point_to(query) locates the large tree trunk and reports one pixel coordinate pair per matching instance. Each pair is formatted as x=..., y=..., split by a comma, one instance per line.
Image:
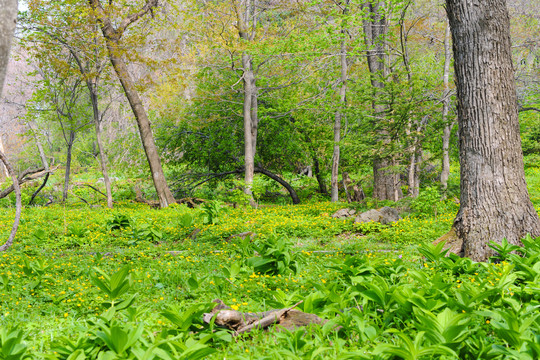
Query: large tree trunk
x=447, y=130
x=250, y=124
x=386, y=182
x=494, y=200
x=386, y=185
x=102, y=156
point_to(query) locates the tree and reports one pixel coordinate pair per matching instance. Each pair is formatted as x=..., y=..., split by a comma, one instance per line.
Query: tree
x=386, y=182
x=8, y=18
x=495, y=203
x=339, y=113
x=113, y=30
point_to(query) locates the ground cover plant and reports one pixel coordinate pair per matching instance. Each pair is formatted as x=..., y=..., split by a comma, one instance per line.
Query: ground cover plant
x=86, y=282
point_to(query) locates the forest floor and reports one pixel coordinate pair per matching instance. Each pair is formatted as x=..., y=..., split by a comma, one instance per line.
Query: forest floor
x=133, y=282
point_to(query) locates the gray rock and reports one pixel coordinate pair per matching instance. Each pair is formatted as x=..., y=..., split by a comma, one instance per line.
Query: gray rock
x=370, y=215
x=343, y=213
x=390, y=215
x=385, y=215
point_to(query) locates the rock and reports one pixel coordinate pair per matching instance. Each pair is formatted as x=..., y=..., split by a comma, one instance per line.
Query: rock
x=390, y=215
x=343, y=213
x=385, y=216
x=370, y=215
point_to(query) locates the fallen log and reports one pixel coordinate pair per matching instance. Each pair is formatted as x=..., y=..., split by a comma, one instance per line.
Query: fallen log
x=240, y=323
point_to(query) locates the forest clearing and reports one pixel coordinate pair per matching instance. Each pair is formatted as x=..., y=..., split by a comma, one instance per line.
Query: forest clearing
x=268, y=179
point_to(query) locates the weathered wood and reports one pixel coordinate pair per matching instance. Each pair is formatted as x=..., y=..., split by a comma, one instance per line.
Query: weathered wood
x=240, y=323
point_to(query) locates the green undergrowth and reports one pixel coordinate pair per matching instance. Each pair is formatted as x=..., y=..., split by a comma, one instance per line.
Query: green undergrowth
x=86, y=282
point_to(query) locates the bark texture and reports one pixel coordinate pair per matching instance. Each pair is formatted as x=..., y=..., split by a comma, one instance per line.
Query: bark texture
x=8, y=19
x=494, y=200
x=447, y=130
x=113, y=35
x=386, y=183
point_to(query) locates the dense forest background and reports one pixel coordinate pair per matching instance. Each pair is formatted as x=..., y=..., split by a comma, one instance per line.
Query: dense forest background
x=318, y=109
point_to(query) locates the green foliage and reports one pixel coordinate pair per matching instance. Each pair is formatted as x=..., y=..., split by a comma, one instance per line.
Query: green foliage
x=118, y=221
x=143, y=300
x=211, y=212
x=276, y=256
x=427, y=201
x=12, y=346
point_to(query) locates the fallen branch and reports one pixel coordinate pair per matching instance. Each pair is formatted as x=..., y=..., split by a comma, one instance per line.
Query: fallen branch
x=18, y=206
x=267, y=320
x=239, y=322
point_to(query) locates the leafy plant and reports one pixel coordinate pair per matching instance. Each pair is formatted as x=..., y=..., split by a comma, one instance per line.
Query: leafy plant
x=276, y=256
x=114, y=286
x=12, y=346
x=211, y=212
x=117, y=222
x=426, y=202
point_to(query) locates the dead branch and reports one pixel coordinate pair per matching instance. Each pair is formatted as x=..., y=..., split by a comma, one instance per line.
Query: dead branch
x=25, y=176
x=91, y=187
x=239, y=322
x=18, y=206
x=267, y=320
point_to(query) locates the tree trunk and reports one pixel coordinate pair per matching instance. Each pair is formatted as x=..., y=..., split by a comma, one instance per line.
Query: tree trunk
x=102, y=156
x=8, y=19
x=68, y=165
x=250, y=125
x=447, y=130
x=386, y=182
x=318, y=175
x=334, y=191
x=160, y=183
x=495, y=203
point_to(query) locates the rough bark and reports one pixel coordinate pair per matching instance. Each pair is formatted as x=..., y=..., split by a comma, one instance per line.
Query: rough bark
x=8, y=19
x=386, y=183
x=334, y=191
x=113, y=35
x=494, y=201
x=447, y=130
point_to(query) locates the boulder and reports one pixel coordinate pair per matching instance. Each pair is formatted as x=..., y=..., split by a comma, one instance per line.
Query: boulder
x=385, y=215
x=343, y=213
x=390, y=215
x=370, y=215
